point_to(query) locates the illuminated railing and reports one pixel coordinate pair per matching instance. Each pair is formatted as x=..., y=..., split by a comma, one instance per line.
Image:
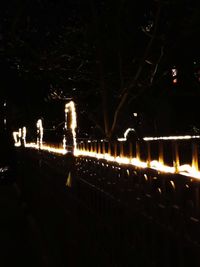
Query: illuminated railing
x=151, y=152
x=162, y=155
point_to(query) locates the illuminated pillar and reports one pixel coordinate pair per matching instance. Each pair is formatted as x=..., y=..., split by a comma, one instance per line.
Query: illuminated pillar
x=24, y=136
x=70, y=107
x=39, y=133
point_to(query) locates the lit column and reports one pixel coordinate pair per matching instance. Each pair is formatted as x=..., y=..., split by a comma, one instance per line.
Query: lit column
x=39, y=133
x=24, y=136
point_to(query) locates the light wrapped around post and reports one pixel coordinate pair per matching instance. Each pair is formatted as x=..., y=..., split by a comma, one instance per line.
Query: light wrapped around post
x=39, y=133
x=70, y=107
x=24, y=136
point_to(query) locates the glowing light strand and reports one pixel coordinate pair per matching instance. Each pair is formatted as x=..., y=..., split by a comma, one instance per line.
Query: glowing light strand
x=70, y=107
x=179, y=137
x=185, y=169
x=126, y=134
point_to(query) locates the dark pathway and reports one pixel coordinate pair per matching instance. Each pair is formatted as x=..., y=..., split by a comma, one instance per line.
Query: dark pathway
x=19, y=241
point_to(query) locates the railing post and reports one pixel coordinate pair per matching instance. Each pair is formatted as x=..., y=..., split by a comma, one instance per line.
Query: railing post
x=95, y=147
x=99, y=147
x=109, y=148
x=115, y=149
x=195, y=162
x=176, y=161
x=161, y=158
x=92, y=146
x=148, y=154
x=137, y=150
x=86, y=146
x=103, y=147
x=130, y=150
x=83, y=146
x=121, y=149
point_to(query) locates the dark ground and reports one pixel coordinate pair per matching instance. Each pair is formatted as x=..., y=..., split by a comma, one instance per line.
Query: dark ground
x=19, y=242
x=42, y=224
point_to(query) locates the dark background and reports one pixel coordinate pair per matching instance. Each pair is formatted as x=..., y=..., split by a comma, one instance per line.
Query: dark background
x=54, y=50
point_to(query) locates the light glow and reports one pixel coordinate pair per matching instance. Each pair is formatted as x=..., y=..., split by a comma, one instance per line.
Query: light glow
x=40, y=132
x=17, y=137
x=70, y=107
x=183, y=137
x=185, y=169
x=126, y=134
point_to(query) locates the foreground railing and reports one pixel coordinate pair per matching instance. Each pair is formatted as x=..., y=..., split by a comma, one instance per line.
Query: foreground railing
x=168, y=156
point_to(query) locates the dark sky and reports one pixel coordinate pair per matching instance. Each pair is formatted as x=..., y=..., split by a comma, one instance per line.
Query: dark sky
x=54, y=44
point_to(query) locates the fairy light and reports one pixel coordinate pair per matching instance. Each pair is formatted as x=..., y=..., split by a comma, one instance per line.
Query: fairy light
x=185, y=169
x=183, y=137
x=179, y=137
x=126, y=134
x=70, y=107
x=17, y=137
x=64, y=143
x=24, y=135
x=174, y=75
x=39, y=132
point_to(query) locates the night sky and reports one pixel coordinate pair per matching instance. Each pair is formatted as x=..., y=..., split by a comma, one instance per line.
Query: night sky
x=91, y=50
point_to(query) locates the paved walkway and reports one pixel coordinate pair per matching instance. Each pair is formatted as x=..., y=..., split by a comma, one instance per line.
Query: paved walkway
x=19, y=241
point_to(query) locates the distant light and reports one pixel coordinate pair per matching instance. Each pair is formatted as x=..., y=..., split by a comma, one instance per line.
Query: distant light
x=135, y=114
x=174, y=75
x=39, y=132
x=174, y=72
x=184, y=137
x=70, y=107
x=126, y=134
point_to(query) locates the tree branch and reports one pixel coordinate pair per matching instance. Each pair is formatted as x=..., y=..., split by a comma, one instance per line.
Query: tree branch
x=132, y=84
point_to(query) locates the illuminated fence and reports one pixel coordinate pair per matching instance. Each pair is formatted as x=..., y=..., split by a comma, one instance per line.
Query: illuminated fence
x=169, y=156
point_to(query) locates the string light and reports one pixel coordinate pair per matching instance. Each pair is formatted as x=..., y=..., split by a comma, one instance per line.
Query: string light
x=70, y=107
x=185, y=169
x=40, y=132
x=184, y=137
x=126, y=134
